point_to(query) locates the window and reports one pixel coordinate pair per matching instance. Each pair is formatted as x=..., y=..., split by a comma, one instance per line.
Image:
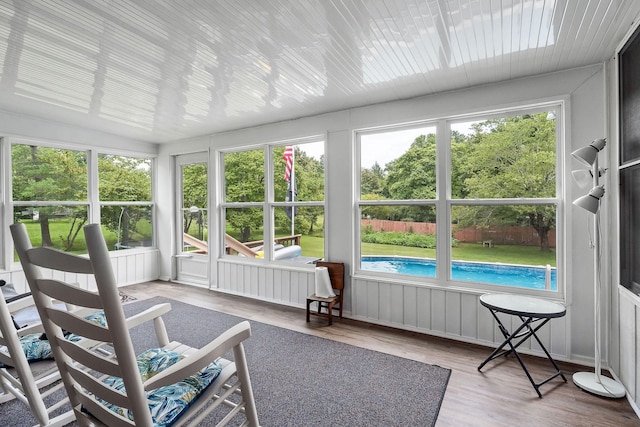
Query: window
x=291, y=219
x=124, y=185
x=398, y=200
x=495, y=198
x=195, y=207
x=629, y=162
x=52, y=196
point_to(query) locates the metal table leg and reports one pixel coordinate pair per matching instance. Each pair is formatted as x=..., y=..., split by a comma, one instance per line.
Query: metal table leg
x=524, y=332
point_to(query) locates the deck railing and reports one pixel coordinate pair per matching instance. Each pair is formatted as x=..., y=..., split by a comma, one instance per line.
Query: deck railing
x=284, y=240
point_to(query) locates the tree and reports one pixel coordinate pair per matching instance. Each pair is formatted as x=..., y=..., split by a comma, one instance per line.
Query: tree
x=459, y=152
x=123, y=179
x=244, y=182
x=194, y=193
x=413, y=176
x=51, y=175
x=511, y=157
x=377, y=211
x=309, y=180
x=372, y=181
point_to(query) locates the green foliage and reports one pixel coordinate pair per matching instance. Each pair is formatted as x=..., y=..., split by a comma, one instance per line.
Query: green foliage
x=194, y=185
x=124, y=179
x=400, y=239
x=194, y=193
x=413, y=175
x=48, y=174
x=51, y=175
x=372, y=181
x=244, y=182
x=510, y=157
x=378, y=211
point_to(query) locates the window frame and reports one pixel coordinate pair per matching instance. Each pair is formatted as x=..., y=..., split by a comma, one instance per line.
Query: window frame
x=269, y=205
x=92, y=203
x=146, y=203
x=444, y=201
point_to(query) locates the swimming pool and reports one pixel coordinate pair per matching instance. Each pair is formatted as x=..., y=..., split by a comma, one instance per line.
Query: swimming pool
x=521, y=276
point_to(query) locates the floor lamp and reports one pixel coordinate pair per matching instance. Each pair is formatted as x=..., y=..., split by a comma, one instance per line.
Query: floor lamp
x=594, y=382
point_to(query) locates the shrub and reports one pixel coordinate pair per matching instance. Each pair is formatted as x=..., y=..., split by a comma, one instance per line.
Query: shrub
x=425, y=241
x=401, y=239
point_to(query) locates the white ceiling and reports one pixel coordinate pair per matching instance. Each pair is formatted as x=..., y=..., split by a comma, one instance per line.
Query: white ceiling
x=165, y=70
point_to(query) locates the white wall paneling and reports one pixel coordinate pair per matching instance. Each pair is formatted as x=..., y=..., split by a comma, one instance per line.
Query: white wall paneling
x=130, y=267
x=450, y=314
x=193, y=269
x=629, y=316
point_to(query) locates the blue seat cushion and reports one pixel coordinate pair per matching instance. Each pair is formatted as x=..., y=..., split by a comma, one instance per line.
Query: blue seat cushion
x=169, y=402
x=36, y=348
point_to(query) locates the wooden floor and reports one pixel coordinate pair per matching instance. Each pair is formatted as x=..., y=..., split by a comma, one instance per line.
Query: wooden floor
x=499, y=396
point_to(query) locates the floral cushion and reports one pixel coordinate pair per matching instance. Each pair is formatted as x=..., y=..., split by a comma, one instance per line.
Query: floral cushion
x=37, y=347
x=168, y=402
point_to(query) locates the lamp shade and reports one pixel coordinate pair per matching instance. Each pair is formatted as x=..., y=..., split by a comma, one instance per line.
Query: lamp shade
x=591, y=201
x=584, y=177
x=587, y=155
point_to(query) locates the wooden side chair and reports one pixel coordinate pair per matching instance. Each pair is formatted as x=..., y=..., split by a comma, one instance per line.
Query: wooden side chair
x=327, y=305
x=173, y=383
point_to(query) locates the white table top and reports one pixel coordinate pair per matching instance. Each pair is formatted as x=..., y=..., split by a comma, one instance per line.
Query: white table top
x=522, y=305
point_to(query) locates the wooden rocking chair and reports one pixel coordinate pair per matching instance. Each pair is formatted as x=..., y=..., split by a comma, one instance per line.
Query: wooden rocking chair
x=171, y=384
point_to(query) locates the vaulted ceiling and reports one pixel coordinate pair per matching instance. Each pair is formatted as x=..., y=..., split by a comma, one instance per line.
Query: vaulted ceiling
x=163, y=70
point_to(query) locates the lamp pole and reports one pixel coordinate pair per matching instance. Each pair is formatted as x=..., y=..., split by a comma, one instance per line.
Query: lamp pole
x=594, y=382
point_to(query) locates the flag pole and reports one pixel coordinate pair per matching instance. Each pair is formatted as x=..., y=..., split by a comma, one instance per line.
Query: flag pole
x=292, y=183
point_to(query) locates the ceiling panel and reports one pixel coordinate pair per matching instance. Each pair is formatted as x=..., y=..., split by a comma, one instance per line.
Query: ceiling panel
x=163, y=70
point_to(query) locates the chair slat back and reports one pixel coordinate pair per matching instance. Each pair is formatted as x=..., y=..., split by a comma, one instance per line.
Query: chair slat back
x=83, y=388
x=69, y=294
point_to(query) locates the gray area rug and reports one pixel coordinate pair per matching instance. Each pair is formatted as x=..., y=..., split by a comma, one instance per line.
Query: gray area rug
x=303, y=380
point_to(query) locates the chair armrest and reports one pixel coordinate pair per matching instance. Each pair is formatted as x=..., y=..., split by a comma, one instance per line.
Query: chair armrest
x=36, y=328
x=198, y=360
x=19, y=302
x=149, y=314
x=153, y=313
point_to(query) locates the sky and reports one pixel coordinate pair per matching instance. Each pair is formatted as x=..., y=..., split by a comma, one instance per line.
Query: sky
x=385, y=146
x=388, y=146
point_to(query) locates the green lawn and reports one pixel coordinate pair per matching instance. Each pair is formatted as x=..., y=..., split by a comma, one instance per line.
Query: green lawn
x=314, y=246
x=59, y=229
x=508, y=254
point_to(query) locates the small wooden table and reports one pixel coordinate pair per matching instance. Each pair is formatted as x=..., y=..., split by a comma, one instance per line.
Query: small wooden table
x=534, y=313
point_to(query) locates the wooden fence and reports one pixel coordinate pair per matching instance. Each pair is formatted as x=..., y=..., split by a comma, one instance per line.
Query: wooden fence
x=523, y=236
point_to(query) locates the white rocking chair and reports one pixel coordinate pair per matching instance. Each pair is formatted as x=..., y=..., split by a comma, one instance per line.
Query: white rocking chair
x=159, y=387
x=20, y=382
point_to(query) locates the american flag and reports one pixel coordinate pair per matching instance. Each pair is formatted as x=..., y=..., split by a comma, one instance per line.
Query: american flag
x=288, y=158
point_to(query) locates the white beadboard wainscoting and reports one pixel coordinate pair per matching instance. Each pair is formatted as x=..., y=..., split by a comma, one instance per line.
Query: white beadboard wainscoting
x=129, y=267
x=629, y=371
x=446, y=313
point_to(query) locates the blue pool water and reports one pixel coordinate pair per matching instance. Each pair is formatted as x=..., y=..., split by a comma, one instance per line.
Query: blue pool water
x=496, y=274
